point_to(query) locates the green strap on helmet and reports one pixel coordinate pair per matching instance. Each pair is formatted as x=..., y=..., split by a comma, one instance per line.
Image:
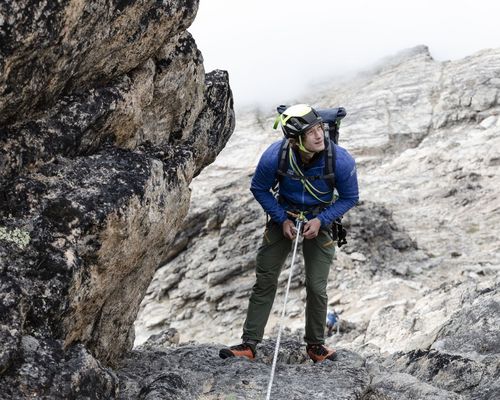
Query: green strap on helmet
x=277, y=121
x=302, y=148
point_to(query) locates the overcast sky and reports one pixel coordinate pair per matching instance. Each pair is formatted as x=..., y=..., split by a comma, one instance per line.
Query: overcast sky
x=274, y=49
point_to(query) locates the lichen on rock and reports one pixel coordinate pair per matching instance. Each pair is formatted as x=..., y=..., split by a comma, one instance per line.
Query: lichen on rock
x=16, y=235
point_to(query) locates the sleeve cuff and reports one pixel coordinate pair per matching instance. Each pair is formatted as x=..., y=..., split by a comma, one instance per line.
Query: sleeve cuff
x=283, y=219
x=323, y=222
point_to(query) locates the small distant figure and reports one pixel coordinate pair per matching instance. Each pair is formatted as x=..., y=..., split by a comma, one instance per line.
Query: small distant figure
x=332, y=318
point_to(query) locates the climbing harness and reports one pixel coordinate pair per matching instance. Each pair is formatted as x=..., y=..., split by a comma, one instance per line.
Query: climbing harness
x=299, y=221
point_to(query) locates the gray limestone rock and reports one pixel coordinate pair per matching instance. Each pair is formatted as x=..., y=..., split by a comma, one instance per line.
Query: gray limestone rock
x=194, y=371
x=395, y=386
x=464, y=357
x=418, y=282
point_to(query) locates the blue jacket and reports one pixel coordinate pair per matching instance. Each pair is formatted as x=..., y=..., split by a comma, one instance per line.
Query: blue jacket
x=293, y=192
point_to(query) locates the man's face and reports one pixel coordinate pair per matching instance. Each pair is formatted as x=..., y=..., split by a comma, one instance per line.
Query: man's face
x=314, y=139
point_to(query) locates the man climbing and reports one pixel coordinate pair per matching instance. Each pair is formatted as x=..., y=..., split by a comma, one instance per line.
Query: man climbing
x=303, y=187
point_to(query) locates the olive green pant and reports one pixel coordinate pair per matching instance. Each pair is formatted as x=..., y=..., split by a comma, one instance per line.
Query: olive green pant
x=318, y=256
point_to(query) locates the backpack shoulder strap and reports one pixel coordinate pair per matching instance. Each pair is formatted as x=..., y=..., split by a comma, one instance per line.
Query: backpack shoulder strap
x=330, y=161
x=285, y=145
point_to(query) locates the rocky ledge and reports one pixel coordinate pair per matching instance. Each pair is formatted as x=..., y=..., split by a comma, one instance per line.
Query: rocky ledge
x=461, y=363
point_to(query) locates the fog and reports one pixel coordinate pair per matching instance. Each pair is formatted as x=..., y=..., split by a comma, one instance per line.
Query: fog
x=275, y=50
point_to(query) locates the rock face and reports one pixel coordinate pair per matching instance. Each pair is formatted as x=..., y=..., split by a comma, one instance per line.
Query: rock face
x=417, y=285
x=44, y=56
x=106, y=116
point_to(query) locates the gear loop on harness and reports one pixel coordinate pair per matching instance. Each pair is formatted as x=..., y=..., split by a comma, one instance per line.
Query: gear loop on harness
x=298, y=215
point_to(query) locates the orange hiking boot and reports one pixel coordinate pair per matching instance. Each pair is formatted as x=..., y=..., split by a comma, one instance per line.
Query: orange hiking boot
x=319, y=352
x=246, y=349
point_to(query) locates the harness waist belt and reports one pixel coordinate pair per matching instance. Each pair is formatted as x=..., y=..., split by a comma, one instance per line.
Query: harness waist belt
x=295, y=208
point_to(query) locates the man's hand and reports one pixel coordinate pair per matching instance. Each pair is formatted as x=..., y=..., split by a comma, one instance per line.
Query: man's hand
x=311, y=228
x=289, y=230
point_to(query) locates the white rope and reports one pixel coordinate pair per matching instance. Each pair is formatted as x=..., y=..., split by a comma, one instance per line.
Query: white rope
x=298, y=227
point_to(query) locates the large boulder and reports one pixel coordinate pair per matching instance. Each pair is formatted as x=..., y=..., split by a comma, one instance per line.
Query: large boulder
x=107, y=115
